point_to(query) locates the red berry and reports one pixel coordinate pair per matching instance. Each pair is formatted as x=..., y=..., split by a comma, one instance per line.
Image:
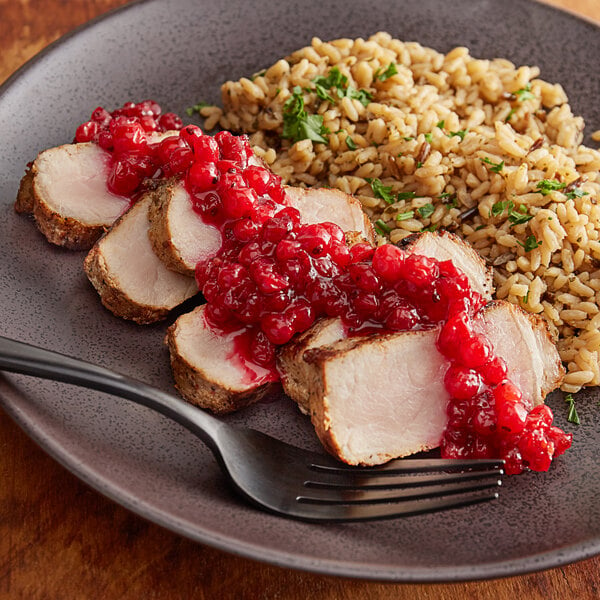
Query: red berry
x=388, y=261
x=87, y=132
x=203, y=176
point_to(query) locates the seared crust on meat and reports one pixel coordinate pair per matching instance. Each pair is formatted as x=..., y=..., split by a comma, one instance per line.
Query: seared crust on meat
x=117, y=264
x=197, y=382
x=59, y=230
x=179, y=236
x=24, y=201
x=294, y=370
x=65, y=189
x=64, y=231
x=160, y=232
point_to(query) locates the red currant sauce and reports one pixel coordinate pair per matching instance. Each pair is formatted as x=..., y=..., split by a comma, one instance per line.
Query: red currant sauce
x=273, y=277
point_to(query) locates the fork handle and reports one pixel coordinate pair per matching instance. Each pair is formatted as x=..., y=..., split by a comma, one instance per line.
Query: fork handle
x=19, y=357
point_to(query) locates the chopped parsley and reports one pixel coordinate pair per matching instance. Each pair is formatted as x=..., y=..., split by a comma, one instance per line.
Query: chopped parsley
x=545, y=186
x=524, y=93
x=428, y=137
x=440, y=124
x=431, y=227
x=494, y=167
x=298, y=124
x=408, y=138
x=519, y=217
x=404, y=216
x=350, y=143
x=190, y=110
x=383, y=74
x=426, y=210
x=461, y=134
x=381, y=191
x=406, y=195
x=530, y=243
x=576, y=193
x=572, y=415
x=336, y=83
x=510, y=114
x=363, y=96
x=448, y=199
x=499, y=207
x=381, y=227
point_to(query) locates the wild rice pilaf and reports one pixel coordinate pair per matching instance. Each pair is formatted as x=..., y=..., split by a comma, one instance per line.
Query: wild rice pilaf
x=430, y=140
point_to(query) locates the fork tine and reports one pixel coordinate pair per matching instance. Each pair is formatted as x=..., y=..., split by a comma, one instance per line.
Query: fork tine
x=412, y=465
x=347, y=478
x=368, y=512
x=339, y=494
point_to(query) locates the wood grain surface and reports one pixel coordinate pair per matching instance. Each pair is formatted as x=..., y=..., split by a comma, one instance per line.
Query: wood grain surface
x=61, y=540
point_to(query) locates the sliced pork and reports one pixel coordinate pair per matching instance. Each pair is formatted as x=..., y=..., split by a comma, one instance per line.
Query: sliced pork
x=444, y=245
x=318, y=205
x=378, y=397
x=65, y=189
x=524, y=341
x=132, y=281
x=181, y=238
x=207, y=369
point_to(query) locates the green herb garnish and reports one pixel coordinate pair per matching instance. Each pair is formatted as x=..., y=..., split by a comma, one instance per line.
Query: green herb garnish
x=383, y=74
x=440, y=124
x=524, y=93
x=499, y=207
x=495, y=167
x=350, y=143
x=530, y=243
x=404, y=216
x=519, y=217
x=572, y=415
x=545, y=186
x=406, y=195
x=461, y=134
x=190, y=110
x=381, y=191
x=298, y=124
x=576, y=193
x=381, y=227
x=510, y=114
x=427, y=137
x=426, y=210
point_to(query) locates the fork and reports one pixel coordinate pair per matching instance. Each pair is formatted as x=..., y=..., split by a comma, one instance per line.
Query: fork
x=277, y=476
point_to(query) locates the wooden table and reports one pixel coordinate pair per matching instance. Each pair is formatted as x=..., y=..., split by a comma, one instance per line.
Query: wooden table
x=61, y=540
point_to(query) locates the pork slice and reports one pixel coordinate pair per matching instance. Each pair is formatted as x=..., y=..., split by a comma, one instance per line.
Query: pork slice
x=380, y=397
x=179, y=236
x=131, y=280
x=292, y=367
x=444, y=245
x=525, y=343
x=65, y=189
x=319, y=205
x=181, y=239
x=207, y=369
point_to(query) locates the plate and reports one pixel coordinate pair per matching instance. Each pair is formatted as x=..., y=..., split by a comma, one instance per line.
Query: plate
x=178, y=52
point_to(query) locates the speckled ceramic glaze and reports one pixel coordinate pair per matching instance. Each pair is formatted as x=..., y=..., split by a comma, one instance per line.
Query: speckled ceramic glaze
x=179, y=52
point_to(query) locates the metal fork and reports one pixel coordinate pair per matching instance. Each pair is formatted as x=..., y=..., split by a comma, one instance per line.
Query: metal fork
x=274, y=475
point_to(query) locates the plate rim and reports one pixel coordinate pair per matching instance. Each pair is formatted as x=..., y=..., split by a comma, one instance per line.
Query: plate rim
x=531, y=563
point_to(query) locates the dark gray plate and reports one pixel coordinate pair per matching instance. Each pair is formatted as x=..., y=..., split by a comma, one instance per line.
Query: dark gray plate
x=179, y=52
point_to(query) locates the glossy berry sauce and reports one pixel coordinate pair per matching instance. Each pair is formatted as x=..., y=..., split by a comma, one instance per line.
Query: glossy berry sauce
x=127, y=133
x=273, y=277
